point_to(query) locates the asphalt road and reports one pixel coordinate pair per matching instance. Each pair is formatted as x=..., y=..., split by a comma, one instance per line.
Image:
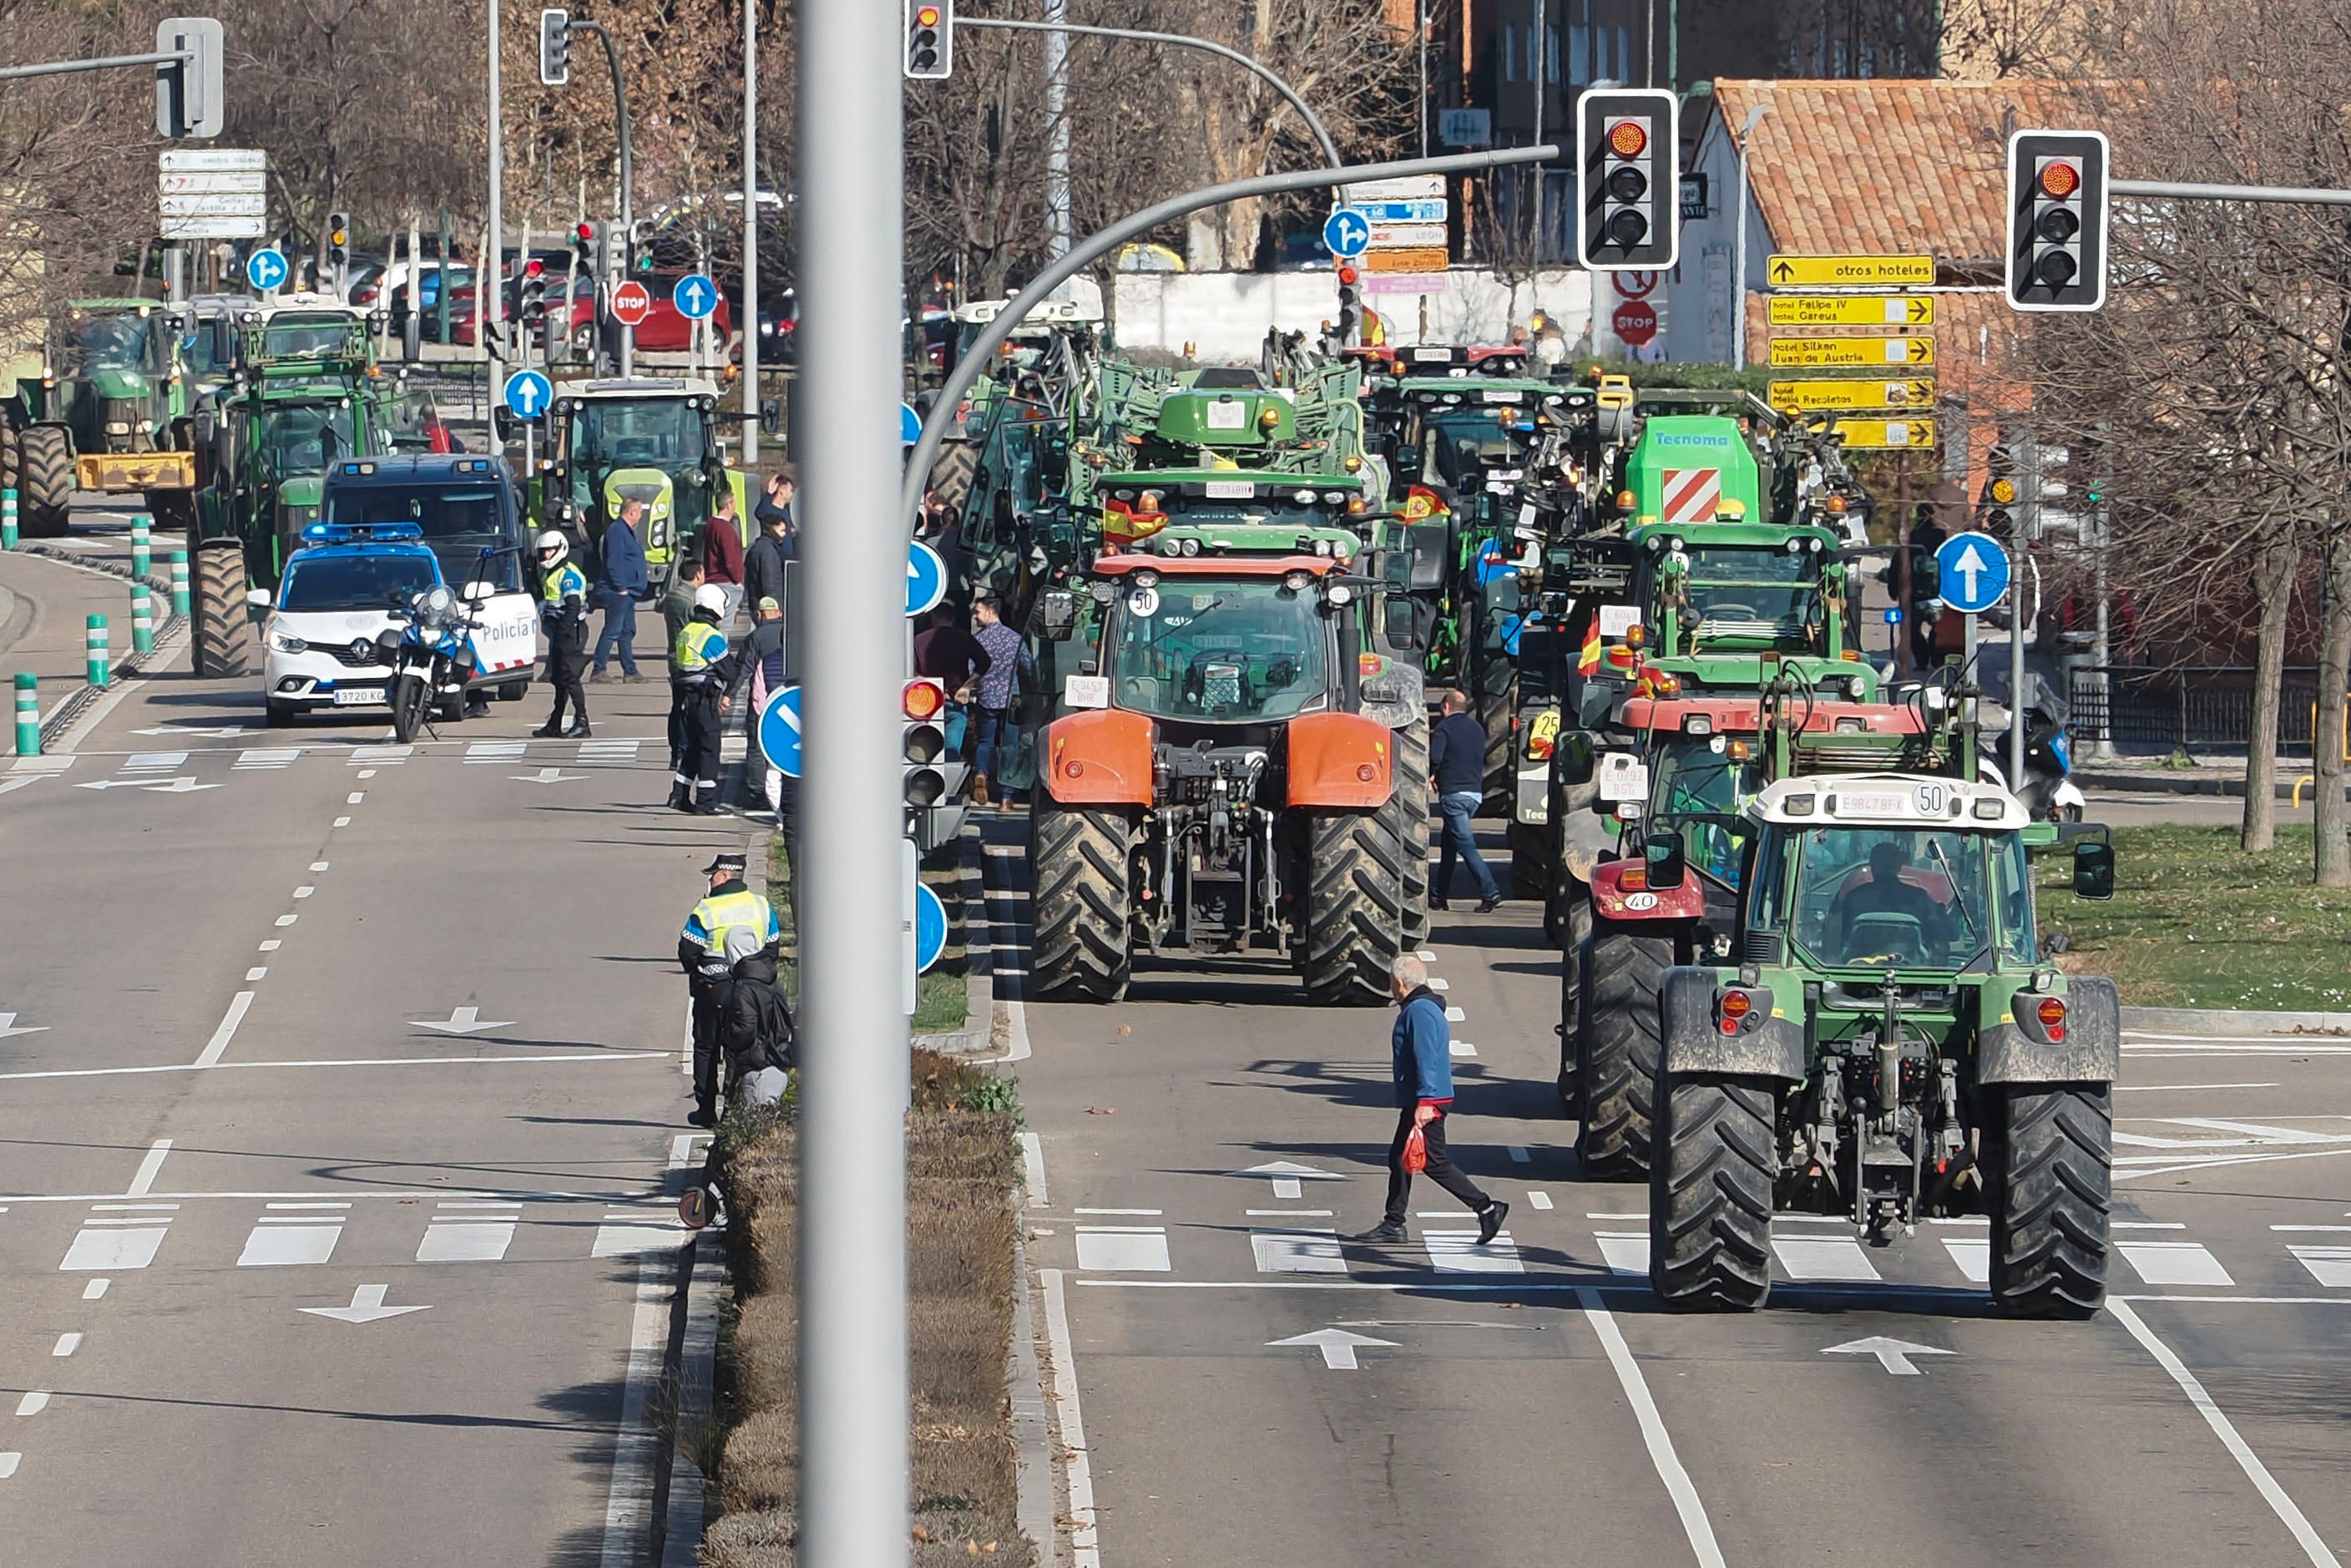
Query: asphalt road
x=1528, y=1404
x=299, y=1020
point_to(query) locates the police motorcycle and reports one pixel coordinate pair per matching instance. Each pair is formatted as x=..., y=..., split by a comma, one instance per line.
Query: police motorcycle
x=429, y=649
x=2047, y=789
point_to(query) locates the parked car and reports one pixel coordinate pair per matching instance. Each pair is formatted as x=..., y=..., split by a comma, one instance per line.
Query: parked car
x=664, y=330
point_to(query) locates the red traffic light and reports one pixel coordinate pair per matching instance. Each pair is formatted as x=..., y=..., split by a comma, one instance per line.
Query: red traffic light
x=2059, y=179
x=587, y=233
x=926, y=16
x=1629, y=138
x=533, y=268
x=1348, y=277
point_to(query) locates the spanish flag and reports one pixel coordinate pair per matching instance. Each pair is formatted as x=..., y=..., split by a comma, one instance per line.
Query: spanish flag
x=1589, y=660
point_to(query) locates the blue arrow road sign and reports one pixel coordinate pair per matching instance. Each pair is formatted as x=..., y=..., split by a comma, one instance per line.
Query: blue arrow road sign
x=527, y=395
x=1346, y=232
x=779, y=732
x=1427, y=211
x=265, y=268
x=930, y=927
x=910, y=424
x=927, y=579
x=696, y=296
x=1973, y=569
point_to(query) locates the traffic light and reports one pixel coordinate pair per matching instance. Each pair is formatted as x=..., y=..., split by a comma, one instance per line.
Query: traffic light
x=588, y=244
x=189, y=100
x=2056, y=220
x=532, y=297
x=930, y=40
x=1351, y=302
x=338, y=240
x=924, y=702
x=1627, y=146
x=554, y=47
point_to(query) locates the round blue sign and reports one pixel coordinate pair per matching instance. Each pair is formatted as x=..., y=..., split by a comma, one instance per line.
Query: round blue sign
x=527, y=393
x=930, y=927
x=1347, y=233
x=696, y=296
x=779, y=732
x=1972, y=572
x=926, y=578
x=910, y=424
x=265, y=269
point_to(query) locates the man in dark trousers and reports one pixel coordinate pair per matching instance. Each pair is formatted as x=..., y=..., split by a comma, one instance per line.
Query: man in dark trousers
x=701, y=669
x=563, y=613
x=1457, y=765
x=1423, y=1048
x=702, y=954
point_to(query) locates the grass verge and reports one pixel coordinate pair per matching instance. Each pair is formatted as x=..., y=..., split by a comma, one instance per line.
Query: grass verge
x=961, y=1167
x=941, y=994
x=2196, y=922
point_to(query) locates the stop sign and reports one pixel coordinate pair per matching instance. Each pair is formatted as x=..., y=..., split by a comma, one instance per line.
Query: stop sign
x=630, y=303
x=1636, y=323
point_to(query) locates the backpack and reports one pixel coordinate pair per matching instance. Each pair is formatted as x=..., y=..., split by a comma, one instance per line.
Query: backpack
x=778, y=1038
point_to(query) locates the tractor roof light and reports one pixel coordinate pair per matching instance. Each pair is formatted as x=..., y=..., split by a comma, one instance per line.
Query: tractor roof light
x=1988, y=810
x=1103, y=589
x=1298, y=580
x=1191, y=547
x=1341, y=596
x=1736, y=752
x=1144, y=578
x=1635, y=634
x=1698, y=724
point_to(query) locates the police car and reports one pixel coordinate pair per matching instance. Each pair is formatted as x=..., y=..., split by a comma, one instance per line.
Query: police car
x=335, y=600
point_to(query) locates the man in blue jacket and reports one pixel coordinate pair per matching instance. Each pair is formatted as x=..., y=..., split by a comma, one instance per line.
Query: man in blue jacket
x=621, y=581
x=1457, y=766
x=1423, y=1047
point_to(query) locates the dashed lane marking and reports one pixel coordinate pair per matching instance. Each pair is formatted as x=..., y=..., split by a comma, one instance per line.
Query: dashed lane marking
x=1123, y=1248
x=1539, y=1199
x=1823, y=1258
x=1625, y=1253
x=2174, y=1263
x=279, y=1240
x=1457, y=1252
x=1301, y=1252
x=633, y=1232
x=469, y=1235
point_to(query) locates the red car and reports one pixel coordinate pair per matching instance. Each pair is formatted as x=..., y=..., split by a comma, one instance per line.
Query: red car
x=664, y=329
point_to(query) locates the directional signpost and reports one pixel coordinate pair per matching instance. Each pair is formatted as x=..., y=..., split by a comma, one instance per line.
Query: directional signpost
x=926, y=578
x=1405, y=249
x=265, y=270
x=527, y=393
x=211, y=192
x=1850, y=271
x=1819, y=395
x=1346, y=232
x=1852, y=310
x=779, y=732
x=1886, y=434
x=1833, y=353
x=696, y=296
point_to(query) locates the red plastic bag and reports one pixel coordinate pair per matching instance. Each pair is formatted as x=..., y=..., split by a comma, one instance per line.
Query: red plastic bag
x=1415, y=1153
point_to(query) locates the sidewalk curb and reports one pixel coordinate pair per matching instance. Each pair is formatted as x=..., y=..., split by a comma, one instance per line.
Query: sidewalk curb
x=1032, y=1438
x=131, y=665
x=2234, y=1023
x=2155, y=781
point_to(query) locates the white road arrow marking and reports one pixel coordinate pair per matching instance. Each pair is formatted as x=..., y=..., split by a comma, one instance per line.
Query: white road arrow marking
x=1971, y=565
x=367, y=1306
x=178, y=787
x=9, y=1027
x=1338, y=1346
x=462, y=1021
x=1288, y=1173
x=181, y=786
x=545, y=776
x=1893, y=1355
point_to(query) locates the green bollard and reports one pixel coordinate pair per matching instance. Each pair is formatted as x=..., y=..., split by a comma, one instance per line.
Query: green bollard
x=7, y=520
x=98, y=659
x=180, y=583
x=141, y=560
x=142, y=619
x=29, y=714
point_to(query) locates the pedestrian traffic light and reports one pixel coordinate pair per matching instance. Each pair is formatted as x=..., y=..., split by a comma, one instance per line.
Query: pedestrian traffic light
x=1627, y=147
x=923, y=703
x=2057, y=220
x=930, y=39
x=1351, y=302
x=554, y=47
x=338, y=240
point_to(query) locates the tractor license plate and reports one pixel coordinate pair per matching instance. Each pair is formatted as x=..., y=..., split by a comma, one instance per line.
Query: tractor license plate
x=1230, y=490
x=357, y=697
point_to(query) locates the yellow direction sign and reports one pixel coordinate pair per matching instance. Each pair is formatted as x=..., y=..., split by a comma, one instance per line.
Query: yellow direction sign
x=1849, y=271
x=1852, y=310
x=1829, y=394
x=1886, y=434
x=1843, y=353
x=1410, y=258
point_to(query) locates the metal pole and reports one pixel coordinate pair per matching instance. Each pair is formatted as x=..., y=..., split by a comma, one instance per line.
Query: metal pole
x=2021, y=615
x=991, y=337
x=1423, y=41
x=1738, y=257
x=2101, y=651
x=490, y=320
x=1058, y=222
x=628, y=182
x=64, y=68
x=2189, y=190
x=853, y=1411
x=750, y=322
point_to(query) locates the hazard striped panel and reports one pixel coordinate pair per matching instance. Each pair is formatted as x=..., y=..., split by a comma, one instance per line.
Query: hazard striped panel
x=1692, y=495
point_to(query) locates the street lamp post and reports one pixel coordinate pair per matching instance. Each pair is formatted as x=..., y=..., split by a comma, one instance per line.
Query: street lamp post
x=492, y=313
x=1738, y=257
x=751, y=321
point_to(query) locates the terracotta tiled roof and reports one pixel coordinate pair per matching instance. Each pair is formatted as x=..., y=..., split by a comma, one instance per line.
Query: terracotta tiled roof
x=1893, y=167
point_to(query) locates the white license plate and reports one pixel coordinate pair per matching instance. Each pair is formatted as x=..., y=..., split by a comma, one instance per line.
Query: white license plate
x=1230, y=490
x=357, y=697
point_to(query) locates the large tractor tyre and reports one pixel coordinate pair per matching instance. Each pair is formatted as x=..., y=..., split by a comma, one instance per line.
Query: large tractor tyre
x=1530, y=863
x=45, y=485
x=1355, y=906
x=1494, y=693
x=1576, y=932
x=11, y=467
x=1080, y=868
x=1408, y=806
x=1616, y=1062
x=223, y=641
x=1710, y=1194
x=951, y=471
x=2050, y=1186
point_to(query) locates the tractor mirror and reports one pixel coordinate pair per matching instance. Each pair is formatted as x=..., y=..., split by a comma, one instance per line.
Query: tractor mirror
x=1572, y=757
x=1668, y=864
x=1395, y=568
x=1400, y=621
x=258, y=598
x=224, y=340
x=2094, y=870
x=1056, y=614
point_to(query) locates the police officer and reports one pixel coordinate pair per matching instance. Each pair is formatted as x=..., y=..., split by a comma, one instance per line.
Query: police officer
x=563, y=612
x=702, y=954
x=700, y=670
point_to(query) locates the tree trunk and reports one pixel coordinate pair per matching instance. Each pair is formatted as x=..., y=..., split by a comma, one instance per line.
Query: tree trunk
x=2273, y=571
x=2331, y=855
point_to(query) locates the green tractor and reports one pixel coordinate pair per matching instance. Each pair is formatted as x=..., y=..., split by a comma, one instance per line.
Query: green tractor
x=304, y=396
x=647, y=438
x=106, y=411
x=1887, y=1042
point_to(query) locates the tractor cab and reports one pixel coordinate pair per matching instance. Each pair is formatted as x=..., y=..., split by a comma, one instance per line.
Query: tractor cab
x=654, y=440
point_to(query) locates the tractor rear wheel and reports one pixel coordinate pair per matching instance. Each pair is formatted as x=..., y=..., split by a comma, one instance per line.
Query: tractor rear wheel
x=951, y=471
x=45, y=485
x=2050, y=1186
x=1576, y=932
x=1408, y=806
x=1616, y=1063
x=1354, y=905
x=223, y=640
x=10, y=465
x=1710, y=1194
x=1079, y=869
x=1495, y=696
